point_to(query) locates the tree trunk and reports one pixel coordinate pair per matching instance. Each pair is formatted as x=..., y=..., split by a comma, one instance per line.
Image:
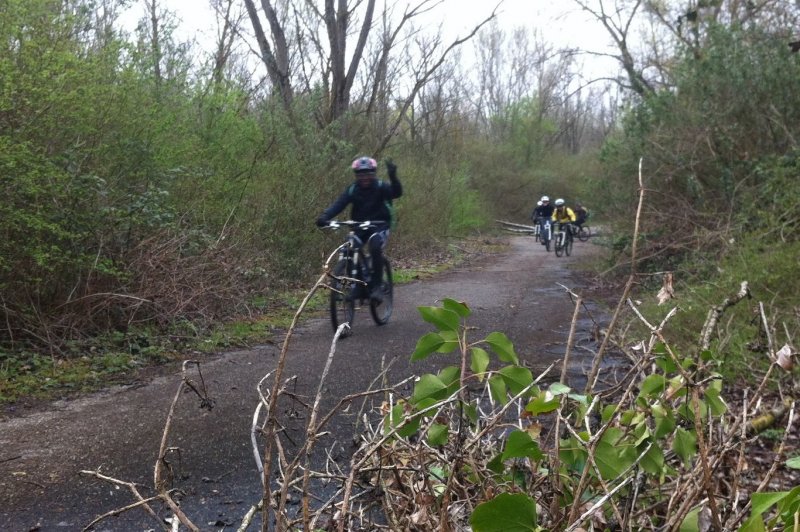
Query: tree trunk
x=336, y=22
x=277, y=61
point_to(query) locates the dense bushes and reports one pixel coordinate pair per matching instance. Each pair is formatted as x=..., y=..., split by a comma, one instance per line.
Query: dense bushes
x=136, y=196
x=719, y=164
x=707, y=142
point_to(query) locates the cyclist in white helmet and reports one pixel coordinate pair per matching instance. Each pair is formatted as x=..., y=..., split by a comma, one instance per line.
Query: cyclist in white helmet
x=542, y=212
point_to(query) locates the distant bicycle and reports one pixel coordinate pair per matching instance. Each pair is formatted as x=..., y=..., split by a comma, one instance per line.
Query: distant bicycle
x=562, y=240
x=584, y=232
x=351, y=275
x=546, y=235
x=537, y=229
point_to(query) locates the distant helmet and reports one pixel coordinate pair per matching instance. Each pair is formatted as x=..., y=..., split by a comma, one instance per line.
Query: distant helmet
x=559, y=202
x=365, y=165
x=538, y=203
x=545, y=198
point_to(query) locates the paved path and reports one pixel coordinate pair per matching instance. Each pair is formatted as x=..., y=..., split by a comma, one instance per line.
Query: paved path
x=118, y=431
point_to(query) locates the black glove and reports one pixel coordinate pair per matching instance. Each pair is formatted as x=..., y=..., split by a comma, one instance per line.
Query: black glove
x=322, y=221
x=391, y=168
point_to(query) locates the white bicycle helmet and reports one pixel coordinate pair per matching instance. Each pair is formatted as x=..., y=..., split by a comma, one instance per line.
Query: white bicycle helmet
x=545, y=198
x=538, y=203
x=559, y=202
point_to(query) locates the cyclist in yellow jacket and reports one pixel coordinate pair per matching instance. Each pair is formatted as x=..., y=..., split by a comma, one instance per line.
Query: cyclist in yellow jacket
x=563, y=215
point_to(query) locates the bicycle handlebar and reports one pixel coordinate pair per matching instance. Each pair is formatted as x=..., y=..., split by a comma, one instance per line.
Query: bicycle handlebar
x=366, y=224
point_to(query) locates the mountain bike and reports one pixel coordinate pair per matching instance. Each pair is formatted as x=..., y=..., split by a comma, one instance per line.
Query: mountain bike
x=537, y=230
x=350, y=277
x=546, y=235
x=584, y=232
x=562, y=240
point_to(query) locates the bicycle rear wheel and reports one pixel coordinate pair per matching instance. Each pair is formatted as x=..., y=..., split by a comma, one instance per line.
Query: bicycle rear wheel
x=584, y=233
x=382, y=311
x=343, y=293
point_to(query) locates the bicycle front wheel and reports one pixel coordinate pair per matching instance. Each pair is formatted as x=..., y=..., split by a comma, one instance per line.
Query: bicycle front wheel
x=559, y=246
x=343, y=294
x=382, y=310
x=584, y=233
x=568, y=245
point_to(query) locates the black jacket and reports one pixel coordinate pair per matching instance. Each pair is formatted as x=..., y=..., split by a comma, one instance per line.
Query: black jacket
x=543, y=211
x=368, y=203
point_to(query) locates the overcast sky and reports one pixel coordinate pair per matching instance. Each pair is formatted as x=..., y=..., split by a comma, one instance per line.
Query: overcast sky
x=559, y=21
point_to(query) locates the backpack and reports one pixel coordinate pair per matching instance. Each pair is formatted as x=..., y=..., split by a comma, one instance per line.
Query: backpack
x=388, y=203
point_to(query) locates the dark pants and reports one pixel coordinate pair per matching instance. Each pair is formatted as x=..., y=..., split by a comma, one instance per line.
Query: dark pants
x=567, y=227
x=376, y=242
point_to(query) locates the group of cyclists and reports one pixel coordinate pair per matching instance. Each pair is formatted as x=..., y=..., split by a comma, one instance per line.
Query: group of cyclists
x=560, y=214
x=370, y=199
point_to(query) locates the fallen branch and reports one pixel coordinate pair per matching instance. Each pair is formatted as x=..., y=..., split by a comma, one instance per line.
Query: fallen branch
x=715, y=314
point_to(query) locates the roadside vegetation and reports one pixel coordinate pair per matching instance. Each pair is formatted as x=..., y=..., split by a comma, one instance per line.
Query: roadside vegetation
x=158, y=199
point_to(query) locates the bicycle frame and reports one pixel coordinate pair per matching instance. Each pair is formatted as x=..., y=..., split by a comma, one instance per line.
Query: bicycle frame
x=351, y=276
x=352, y=252
x=563, y=239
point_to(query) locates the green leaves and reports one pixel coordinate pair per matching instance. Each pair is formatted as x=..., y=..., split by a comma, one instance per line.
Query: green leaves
x=716, y=403
x=447, y=321
x=685, y=445
x=614, y=454
x=456, y=306
x=786, y=503
x=519, y=444
x=444, y=342
x=653, y=460
x=653, y=385
x=639, y=430
x=441, y=318
x=401, y=420
x=429, y=387
x=501, y=345
x=479, y=361
x=793, y=463
x=437, y=434
x=505, y=513
x=516, y=378
x=543, y=403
